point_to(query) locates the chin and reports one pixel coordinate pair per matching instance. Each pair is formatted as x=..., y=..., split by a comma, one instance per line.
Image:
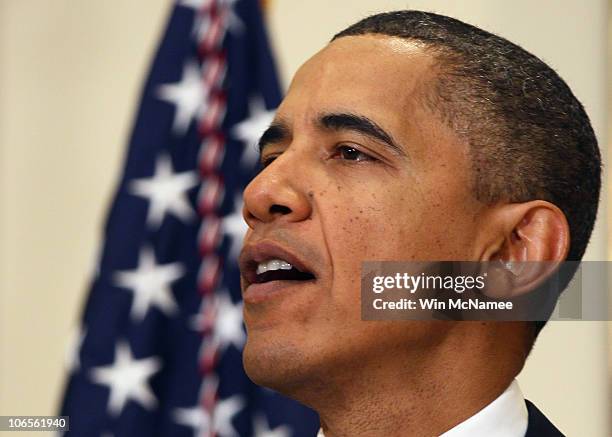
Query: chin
x=280, y=367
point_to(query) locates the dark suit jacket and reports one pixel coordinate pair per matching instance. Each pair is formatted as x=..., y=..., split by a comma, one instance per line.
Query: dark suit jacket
x=539, y=425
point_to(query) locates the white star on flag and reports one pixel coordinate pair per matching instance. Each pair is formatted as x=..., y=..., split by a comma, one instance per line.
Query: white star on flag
x=150, y=283
x=196, y=418
x=166, y=192
x=221, y=421
x=261, y=428
x=235, y=227
x=228, y=322
x=127, y=378
x=250, y=129
x=225, y=410
x=189, y=95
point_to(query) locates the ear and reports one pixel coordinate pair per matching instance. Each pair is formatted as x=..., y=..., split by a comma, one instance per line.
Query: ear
x=526, y=243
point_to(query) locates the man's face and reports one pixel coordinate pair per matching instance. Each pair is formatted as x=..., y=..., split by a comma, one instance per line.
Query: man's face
x=356, y=168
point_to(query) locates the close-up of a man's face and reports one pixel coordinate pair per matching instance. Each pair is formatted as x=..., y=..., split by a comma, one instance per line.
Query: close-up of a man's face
x=347, y=218
x=355, y=168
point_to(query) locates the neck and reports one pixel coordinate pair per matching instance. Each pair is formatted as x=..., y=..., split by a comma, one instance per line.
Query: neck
x=416, y=394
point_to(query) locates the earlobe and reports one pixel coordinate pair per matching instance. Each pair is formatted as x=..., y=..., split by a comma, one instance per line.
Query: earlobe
x=532, y=239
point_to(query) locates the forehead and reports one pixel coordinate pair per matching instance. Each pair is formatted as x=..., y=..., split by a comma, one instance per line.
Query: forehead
x=370, y=71
x=381, y=77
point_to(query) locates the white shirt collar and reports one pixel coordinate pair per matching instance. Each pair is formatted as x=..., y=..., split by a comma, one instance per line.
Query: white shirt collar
x=506, y=416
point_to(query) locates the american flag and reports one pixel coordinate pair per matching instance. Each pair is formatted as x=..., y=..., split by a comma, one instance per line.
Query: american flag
x=159, y=350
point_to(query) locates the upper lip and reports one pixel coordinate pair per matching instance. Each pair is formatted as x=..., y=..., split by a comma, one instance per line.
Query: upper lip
x=254, y=253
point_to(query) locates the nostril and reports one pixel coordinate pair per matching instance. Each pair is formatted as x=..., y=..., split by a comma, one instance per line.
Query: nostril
x=279, y=209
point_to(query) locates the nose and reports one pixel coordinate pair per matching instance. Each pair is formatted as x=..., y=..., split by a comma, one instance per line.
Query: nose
x=277, y=193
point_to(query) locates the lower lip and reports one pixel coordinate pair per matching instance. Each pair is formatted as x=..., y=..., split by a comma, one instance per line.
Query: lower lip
x=258, y=293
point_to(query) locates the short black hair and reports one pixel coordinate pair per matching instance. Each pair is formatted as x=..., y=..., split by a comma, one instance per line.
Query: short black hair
x=529, y=136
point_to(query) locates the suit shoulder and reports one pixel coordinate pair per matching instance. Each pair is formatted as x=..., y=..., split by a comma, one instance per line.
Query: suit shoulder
x=539, y=425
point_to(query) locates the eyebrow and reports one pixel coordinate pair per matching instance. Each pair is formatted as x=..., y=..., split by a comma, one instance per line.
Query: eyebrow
x=279, y=131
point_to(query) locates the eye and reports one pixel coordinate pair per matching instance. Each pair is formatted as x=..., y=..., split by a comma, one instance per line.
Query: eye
x=350, y=153
x=267, y=160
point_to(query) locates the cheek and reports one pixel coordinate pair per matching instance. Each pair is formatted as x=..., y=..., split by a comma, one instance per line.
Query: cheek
x=366, y=228
x=374, y=225
x=395, y=225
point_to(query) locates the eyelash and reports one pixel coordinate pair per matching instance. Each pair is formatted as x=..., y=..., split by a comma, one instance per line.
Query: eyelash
x=346, y=147
x=337, y=154
x=267, y=161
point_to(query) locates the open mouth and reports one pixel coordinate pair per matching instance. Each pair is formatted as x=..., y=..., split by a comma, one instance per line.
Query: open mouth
x=279, y=270
x=266, y=268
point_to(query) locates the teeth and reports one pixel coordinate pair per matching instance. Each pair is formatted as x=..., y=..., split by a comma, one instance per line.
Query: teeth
x=273, y=264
